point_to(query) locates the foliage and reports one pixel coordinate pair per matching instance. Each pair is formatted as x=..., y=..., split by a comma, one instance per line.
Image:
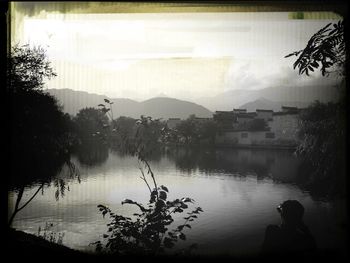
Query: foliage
x=188, y=130
x=49, y=235
x=148, y=231
x=91, y=123
x=41, y=134
x=194, y=131
x=326, y=47
x=125, y=127
x=40, y=130
x=207, y=130
x=322, y=130
x=170, y=135
x=322, y=133
x=28, y=68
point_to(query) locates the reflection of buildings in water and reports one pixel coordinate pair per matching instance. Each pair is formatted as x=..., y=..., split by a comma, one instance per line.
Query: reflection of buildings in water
x=280, y=165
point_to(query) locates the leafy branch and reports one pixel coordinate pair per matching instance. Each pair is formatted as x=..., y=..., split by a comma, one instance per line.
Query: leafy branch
x=325, y=49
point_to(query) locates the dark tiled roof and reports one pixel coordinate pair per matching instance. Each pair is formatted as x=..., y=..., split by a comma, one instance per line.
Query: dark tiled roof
x=264, y=110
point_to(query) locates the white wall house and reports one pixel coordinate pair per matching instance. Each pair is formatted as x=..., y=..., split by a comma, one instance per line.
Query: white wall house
x=282, y=130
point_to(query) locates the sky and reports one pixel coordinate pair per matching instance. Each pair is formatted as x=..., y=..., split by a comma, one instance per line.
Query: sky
x=181, y=55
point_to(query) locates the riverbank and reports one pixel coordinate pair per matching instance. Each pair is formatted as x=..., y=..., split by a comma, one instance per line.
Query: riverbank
x=21, y=244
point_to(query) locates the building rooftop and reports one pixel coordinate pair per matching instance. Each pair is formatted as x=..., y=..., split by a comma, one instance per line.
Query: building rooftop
x=285, y=113
x=261, y=110
x=223, y=112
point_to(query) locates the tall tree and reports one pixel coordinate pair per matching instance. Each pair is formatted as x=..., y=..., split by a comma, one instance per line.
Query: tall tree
x=91, y=123
x=41, y=136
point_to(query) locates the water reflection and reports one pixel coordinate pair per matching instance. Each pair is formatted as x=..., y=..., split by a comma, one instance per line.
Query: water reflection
x=237, y=189
x=92, y=153
x=28, y=169
x=280, y=165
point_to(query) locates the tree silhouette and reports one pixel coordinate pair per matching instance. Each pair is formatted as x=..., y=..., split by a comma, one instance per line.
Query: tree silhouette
x=41, y=137
x=27, y=68
x=91, y=123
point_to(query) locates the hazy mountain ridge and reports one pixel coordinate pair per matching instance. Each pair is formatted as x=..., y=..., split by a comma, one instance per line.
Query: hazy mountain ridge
x=302, y=95
x=276, y=106
x=162, y=107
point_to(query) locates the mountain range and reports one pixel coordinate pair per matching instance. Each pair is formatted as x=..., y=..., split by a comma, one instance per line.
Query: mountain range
x=159, y=107
x=165, y=107
x=295, y=96
x=276, y=106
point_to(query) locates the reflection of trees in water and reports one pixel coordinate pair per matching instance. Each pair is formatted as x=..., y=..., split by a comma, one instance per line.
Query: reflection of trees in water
x=92, y=153
x=30, y=168
x=155, y=155
x=39, y=171
x=238, y=162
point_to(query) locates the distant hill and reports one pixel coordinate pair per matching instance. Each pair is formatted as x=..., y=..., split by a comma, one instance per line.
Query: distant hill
x=236, y=98
x=162, y=107
x=265, y=104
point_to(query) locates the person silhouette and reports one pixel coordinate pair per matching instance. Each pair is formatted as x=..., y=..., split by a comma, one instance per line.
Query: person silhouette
x=292, y=236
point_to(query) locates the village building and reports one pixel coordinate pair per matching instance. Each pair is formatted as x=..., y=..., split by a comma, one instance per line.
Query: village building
x=239, y=110
x=280, y=129
x=264, y=114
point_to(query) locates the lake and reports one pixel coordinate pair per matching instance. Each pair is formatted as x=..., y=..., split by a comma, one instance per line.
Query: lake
x=238, y=189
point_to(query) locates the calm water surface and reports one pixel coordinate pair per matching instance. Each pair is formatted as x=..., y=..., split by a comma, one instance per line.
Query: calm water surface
x=237, y=189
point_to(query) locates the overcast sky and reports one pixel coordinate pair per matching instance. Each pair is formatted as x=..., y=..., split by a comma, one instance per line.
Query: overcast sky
x=180, y=55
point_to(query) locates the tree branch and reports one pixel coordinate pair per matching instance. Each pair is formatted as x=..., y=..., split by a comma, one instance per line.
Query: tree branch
x=37, y=191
